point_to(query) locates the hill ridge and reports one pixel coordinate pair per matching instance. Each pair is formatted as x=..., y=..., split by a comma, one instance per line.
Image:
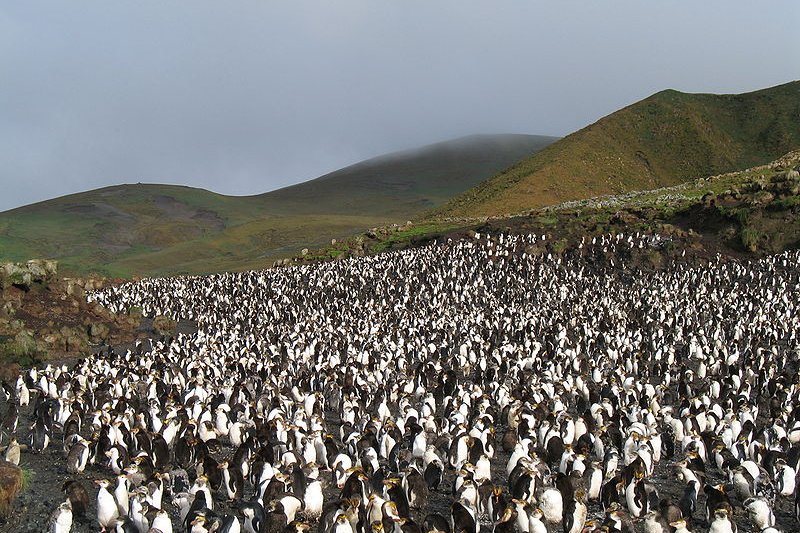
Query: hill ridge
x=666, y=138
x=163, y=229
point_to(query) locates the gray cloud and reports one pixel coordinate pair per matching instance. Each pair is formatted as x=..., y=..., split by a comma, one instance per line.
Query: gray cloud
x=243, y=97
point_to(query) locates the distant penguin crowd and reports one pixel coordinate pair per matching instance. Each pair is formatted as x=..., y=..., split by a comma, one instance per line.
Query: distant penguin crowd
x=476, y=385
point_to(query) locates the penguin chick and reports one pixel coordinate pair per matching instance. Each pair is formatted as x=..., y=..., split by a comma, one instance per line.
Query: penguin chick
x=61, y=519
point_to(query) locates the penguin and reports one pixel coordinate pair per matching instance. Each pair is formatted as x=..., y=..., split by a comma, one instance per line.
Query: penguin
x=125, y=524
x=230, y=524
x=107, y=510
x=13, y=451
x=198, y=524
x=722, y=522
x=290, y=505
x=433, y=474
x=654, y=522
x=552, y=505
x=619, y=520
x=313, y=499
x=296, y=527
x=594, y=477
x=341, y=525
x=122, y=495
x=494, y=503
x=575, y=512
x=254, y=516
x=507, y=521
x=715, y=499
x=61, y=519
x=395, y=493
x=40, y=436
x=688, y=501
x=232, y=481
x=161, y=522
x=435, y=523
x=609, y=494
x=416, y=488
x=275, y=519
x=679, y=526
x=78, y=457
x=760, y=513
x=464, y=518
x=77, y=496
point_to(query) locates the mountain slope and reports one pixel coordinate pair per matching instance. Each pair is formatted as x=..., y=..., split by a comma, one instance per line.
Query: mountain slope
x=149, y=229
x=665, y=139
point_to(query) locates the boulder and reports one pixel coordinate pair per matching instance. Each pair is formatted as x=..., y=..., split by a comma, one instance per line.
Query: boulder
x=98, y=332
x=164, y=325
x=15, y=274
x=75, y=288
x=42, y=269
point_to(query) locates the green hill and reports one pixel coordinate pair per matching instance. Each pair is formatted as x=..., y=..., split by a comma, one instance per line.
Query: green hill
x=663, y=140
x=145, y=229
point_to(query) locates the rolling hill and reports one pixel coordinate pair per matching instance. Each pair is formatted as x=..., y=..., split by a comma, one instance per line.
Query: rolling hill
x=150, y=229
x=663, y=140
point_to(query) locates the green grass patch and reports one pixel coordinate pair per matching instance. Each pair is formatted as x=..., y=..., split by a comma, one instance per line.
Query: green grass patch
x=21, y=349
x=785, y=204
x=750, y=238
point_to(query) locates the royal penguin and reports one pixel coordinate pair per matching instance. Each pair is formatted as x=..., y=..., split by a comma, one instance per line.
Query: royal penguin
x=435, y=523
x=716, y=498
x=78, y=497
x=313, y=499
x=433, y=474
x=655, y=523
x=594, y=481
x=551, y=503
x=230, y=524
x=575, y=512
x=760, y=513
x=721, y=522
x=232, y=481
x=78, y=456
x=107, y=510
x=40, y=436
x=464, y=518
x=507, y=523
x=13, y=451
x=61, y=519
x=340, y=525
x=161, y=522
x=253, y=515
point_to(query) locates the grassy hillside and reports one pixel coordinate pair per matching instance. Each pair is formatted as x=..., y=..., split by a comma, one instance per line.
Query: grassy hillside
x=663, y=140
x=143, y=229
x=747, y=213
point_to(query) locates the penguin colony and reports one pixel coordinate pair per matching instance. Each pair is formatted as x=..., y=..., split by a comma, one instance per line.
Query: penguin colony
x=463, y=387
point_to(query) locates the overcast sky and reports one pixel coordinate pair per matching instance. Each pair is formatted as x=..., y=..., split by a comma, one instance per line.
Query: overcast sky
x=244, y=97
